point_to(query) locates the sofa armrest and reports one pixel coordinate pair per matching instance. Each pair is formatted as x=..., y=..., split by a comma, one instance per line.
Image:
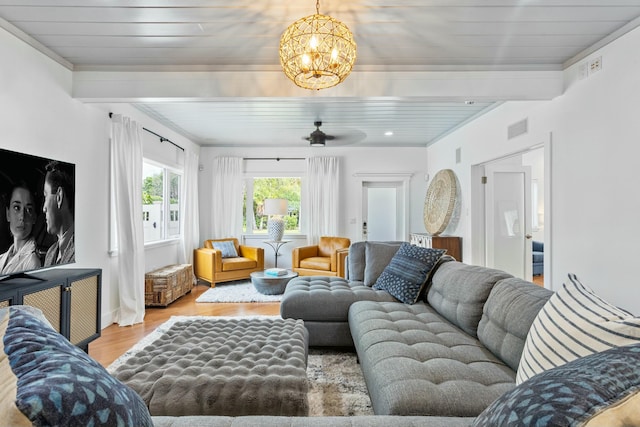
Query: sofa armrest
x=302, y=252
x=204, y=261
x=254, y=253
x=341, y=255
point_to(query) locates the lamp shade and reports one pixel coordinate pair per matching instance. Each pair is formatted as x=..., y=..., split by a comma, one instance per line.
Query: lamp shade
x=275, y=206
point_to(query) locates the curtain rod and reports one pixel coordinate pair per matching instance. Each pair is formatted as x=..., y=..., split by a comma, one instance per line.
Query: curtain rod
x=277, y=159
x=162, y=138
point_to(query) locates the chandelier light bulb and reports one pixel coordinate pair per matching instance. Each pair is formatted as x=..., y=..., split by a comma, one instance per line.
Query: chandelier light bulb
x=306, y=62
x=313, y=43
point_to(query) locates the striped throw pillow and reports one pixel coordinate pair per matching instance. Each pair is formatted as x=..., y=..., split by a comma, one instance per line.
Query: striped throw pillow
x=575, y=322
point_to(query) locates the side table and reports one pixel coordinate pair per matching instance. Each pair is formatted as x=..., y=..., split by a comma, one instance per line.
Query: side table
x=276, y=245
x=271, y=285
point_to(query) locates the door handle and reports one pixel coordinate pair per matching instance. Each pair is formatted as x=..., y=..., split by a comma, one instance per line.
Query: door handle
x=528, y=236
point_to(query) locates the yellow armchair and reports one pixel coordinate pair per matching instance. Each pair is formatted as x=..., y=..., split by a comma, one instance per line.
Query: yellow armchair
x=327, y=258
x=209, y=264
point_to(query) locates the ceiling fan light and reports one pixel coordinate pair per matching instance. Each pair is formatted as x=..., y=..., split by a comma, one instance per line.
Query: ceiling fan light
x=317, y=51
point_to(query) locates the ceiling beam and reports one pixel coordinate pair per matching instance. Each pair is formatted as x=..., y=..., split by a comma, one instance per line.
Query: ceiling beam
x=437, y=86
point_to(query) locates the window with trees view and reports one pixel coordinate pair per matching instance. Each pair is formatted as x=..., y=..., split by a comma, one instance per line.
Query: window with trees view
x=160, y=202
x=259, y=189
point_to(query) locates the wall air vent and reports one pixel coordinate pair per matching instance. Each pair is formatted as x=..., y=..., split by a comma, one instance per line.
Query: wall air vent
x=518, y=128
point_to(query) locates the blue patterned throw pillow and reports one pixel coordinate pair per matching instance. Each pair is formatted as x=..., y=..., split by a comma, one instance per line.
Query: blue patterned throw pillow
x=227, y=248
x=407, y=273
x=52, y=382
x=602, y=389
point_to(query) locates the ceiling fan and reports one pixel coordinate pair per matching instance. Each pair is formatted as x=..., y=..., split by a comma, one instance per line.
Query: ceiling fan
x=317, y=138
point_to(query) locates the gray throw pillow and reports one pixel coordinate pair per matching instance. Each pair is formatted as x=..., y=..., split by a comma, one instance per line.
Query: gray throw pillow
x=227, y=248
x=377, y=256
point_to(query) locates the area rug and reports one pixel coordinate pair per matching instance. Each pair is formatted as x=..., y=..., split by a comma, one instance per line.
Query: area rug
x=336, y=384
x=238, y=291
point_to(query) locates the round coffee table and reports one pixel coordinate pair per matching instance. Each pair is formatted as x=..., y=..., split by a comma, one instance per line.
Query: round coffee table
x=271, y=285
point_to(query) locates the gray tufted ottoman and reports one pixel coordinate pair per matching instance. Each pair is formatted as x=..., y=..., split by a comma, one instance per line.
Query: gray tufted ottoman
x=232, y=367
x=323, y=303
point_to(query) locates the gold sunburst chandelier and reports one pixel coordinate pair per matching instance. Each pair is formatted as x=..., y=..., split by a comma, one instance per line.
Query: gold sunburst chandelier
x=317, y=51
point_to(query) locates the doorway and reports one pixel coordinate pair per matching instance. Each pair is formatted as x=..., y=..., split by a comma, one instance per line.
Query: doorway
x=507, y=219
x=381, y=208
x=384, y=207
x=509, y=213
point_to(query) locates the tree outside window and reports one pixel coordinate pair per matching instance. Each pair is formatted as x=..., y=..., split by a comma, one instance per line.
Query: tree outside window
x=259, y=189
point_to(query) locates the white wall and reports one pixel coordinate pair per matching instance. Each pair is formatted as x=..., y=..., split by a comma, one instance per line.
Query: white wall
x=353, y=160
x=591, y=220
x=40, y=117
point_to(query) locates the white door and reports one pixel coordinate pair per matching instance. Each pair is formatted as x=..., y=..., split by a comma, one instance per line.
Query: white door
x=382, y=209
x=508, y=219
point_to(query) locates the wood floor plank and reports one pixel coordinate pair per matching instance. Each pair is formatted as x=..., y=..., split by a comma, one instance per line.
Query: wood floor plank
x=115, y=340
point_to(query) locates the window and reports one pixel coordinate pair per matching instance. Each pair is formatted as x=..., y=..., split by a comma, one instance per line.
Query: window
x=259, y=188
x=160, y=201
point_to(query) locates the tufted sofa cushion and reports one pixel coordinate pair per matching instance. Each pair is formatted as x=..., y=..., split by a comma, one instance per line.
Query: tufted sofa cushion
x=323, y=303
x=458, y=292
x=327, y=299
x=508, y=314
x=415, y=362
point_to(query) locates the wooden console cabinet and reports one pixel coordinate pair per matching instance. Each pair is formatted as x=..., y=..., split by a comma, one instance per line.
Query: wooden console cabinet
x=452, y=244
x=69, y=298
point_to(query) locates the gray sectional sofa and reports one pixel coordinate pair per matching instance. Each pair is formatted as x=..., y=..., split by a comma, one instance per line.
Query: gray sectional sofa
x=450, y=359
x=451, y=354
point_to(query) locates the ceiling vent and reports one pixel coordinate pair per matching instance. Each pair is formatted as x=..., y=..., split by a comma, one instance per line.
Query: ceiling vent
x=518, y=128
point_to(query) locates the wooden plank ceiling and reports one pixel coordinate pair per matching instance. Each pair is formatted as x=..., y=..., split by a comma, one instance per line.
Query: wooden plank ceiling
x=401, y=36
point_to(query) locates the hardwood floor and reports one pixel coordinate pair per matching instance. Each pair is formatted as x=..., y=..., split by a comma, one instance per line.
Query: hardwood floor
x=115, y=340
x=538, y=280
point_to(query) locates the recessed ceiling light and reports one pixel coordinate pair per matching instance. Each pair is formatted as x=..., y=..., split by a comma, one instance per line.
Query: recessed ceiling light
x=388, y=133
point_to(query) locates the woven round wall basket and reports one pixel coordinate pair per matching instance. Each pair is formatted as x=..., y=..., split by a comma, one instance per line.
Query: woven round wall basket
x=440, y=202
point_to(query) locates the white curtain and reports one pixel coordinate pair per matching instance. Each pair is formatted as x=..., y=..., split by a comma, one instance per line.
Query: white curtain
x=226, y=209
x=126, y=175
x=190, y=220
x=322, y=190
